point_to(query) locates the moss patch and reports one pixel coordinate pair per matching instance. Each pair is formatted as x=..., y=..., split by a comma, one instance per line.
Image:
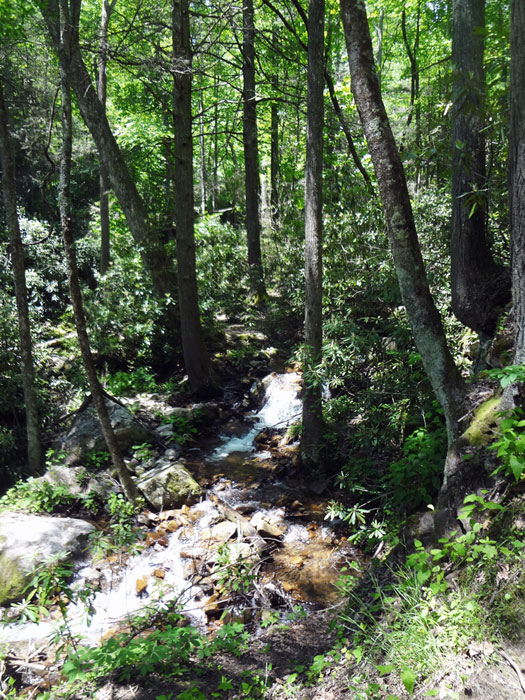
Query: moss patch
x=483, y=428
x=13, y=580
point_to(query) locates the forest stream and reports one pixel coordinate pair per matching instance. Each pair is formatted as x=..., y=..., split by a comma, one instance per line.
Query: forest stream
x=255, y=513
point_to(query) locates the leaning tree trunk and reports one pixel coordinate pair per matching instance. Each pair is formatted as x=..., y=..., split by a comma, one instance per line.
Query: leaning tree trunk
x=196, y=359
x=517, y=172
x=34, y=451
x=480, y=287
x=64, y=197
x=313, y=266
x=424, y=318
x=149, y=242
x=251, y=156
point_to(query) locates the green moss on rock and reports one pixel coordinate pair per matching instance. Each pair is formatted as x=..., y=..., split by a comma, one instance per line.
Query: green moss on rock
x=13, y=580
x=483, y=427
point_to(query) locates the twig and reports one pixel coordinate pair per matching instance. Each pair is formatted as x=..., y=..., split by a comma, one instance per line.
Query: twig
x=515, y=667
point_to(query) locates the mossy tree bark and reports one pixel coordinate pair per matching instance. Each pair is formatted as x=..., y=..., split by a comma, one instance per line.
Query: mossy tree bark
x=34, y=450
x=480, y=287
x=424, y=318
x=68, y=20
x=313, y=195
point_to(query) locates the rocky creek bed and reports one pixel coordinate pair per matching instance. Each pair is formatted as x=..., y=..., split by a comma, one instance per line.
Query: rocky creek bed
x=248, y=512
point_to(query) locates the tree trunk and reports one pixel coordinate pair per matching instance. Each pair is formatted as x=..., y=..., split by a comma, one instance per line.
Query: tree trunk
x=313, y=197
x=517, y=172
x=106, y=10
x=149, y=242
x=274, y=148
x=34, y=451
x=480, y=288
x=196, y=358
x=331, y=89
x=64, y=197
x=251, y=156
x=202, y=164
x=424, y=318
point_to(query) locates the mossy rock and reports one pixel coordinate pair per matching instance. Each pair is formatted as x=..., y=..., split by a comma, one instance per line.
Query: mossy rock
x=483, y=428
x=13, y=580
x=169, y=486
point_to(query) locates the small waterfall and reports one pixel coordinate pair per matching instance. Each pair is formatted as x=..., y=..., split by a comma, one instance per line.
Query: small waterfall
x=281, y=407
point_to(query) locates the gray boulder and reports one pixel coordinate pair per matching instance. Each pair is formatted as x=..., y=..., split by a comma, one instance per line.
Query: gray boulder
x=168, y=485
x=80, y=483
x=85, y=435
x=26, y=541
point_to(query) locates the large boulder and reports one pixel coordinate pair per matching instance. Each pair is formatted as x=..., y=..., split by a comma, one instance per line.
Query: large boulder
x=168, y=485
x=27, y=541
x=78, y=482
x=85, y=435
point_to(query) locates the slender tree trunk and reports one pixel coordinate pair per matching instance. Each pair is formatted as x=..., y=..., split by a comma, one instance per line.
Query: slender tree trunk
x=251, y=155
x=64, y=197
x=274, y=148
x=517, y=172
x=106, y=10
x=34, y=451
x=196, y=359
x=424, y=318
x=202, y=164
x=331, y=89
x=215, y=175
x=313, y=197
x=149, y=242
x=480, y=288
x=414, y=73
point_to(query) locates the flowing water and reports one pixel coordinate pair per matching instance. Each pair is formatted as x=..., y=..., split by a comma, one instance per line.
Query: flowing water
x=306, y=553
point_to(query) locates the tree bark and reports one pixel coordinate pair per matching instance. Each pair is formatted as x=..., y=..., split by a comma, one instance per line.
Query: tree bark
x=517, y=173
x=424, y=318
x=480, y=287
x=251, y=155
x=274, y=148
x=149, y=242
x=69, y=19
x=34, y=450
x=313, y=196
x=196, y=359
x=106, y=10
x=203, y=175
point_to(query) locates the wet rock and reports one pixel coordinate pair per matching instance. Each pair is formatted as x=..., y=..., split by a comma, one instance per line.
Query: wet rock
x=168, y=486
x=85, y=435
x=267, y=527
x=431, y=525
x=220, y=532
x=165, y=430
x=173, y=452
x=26, y=541
x=318, y=486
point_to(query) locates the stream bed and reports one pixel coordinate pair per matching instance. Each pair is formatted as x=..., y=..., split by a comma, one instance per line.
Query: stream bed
x=256, y=510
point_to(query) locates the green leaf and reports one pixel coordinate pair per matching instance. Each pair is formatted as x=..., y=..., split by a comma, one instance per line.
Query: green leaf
x=409, y=680
x=516, y=466
x=385, y=670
